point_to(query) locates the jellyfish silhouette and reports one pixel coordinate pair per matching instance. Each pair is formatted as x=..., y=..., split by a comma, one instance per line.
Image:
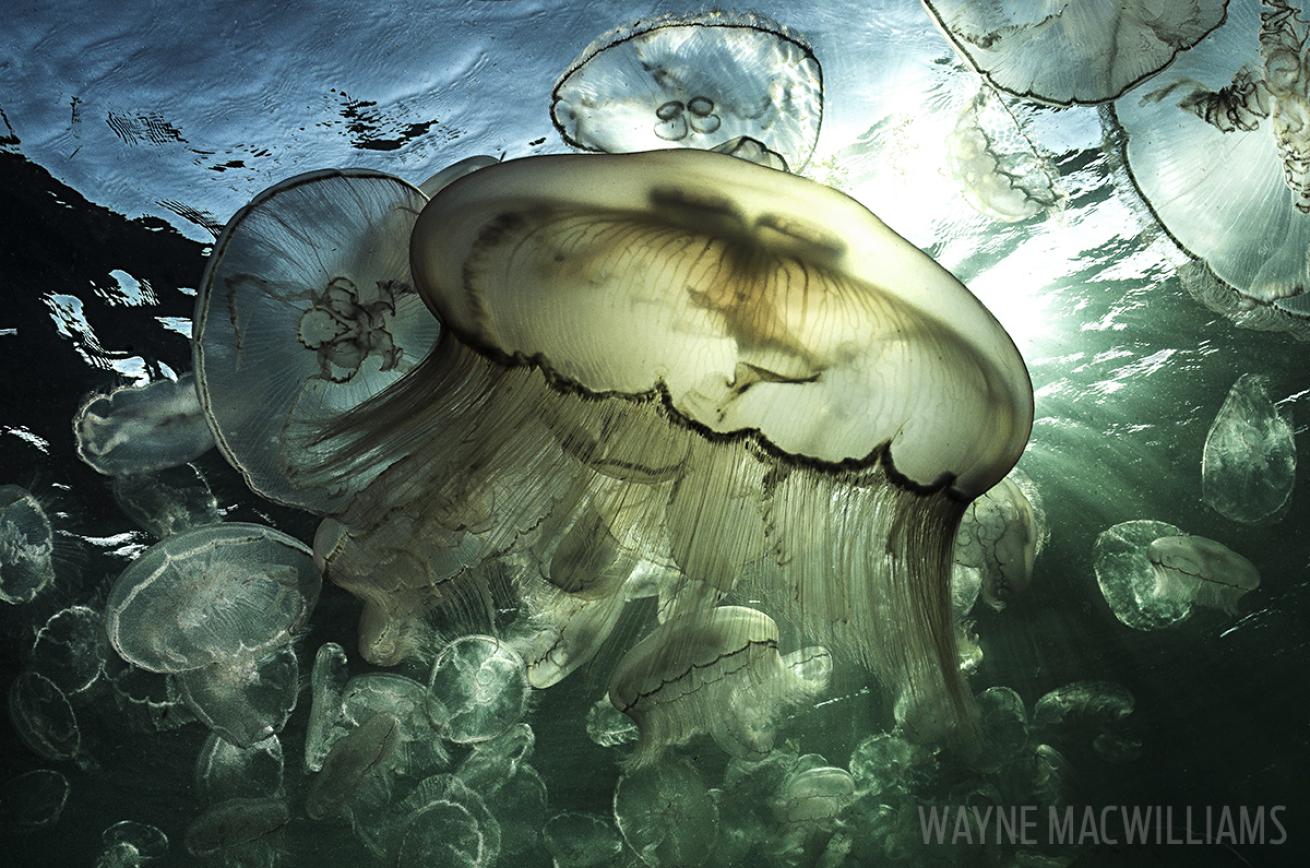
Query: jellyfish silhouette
x=685, y=358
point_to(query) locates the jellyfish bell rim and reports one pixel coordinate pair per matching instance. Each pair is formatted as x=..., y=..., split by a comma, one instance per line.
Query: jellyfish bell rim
x=204, y=290
x=714, y=18
x=455, y=219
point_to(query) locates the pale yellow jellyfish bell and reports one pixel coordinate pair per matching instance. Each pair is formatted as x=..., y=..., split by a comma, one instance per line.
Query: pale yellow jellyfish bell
x=744, y=372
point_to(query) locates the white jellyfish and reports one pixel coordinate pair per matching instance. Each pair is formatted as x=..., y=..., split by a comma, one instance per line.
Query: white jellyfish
x=296, y=327
x=717, y=672
x=442, y=815
x=609, y=727
x=1248, y=466
x=26, y=546
x=167, y=502
x=478, y=689
x=695, y=81
x=141, y=429
x=70, y=649
x=1081, y=52
x=1128, y=579
x=131, y=844
x=419, y=752
x=1000, y=536
x=1201, y=571
x=33, y=800
x=1220, y=150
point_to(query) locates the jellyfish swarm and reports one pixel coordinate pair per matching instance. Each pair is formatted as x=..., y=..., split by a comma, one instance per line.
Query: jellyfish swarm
x=684, y=357
x=1220, y=150
x=693, y=82
x=1201, y=571
x=1065, y=52
x=1248, y=466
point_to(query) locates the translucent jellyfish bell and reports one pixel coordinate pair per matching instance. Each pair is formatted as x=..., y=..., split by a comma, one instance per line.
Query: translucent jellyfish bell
x=33, y=800
x=1081, y=52
x=306, y=310
x=1000, y=537
x=478, y=689
x=706, y=343
x=211, y=594
x=1128, y=580
x=1248, y=466
x=1218, y=148
x=1201, y=571
x=26, y=546
x=693, y=82
x=718, y=673
x=1001, y=172
x=141, y=429
x=667, y=815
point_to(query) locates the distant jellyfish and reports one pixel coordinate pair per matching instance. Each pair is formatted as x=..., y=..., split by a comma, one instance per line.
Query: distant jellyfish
x=477, y=690
x=245, y=698
x=295, y=327
x=520, y=807
x=808, y=807
x=609, y=727
x=364, y=751
x=1004, y=722
x=693, y=82
x=420, y=751
x=26, y=546
x=1201, y=571
x=1248, y=466
x=1284, y=315
x=786, y=400
x=492, y=763
x=1092, y=711
x=147, y=702
x=328, y=681
x=1220, y=150
x=887, y=764
x=581, y=840
x=142, y=429
x=999, y=169
x=718, y=673
x=70, y=649
x=1081, y=52
x=667, y=815
x=1128, y=579
x=131, y=844
x=209, y=595
x=237, y=829
x=33, y=800
x=167, y=502
x=43, y=718
x=1000, y=537
x=226, y=771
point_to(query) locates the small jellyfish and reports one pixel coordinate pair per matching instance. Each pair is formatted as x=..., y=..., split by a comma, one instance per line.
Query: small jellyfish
x=1003, y=718
x=1127, y=577
x=419, y=753
x=43, y=718
x=167, y=502
x=1066, y=53
x=70, y=649
x=442, y=815
x=130, y=844
x=1000, y=170
x=26, y=546
x=1091, y=711
x=147, y=701
x=716, y=672
x=887, y=764
x=294, y=328
x=245, y=698
x=689, y=398
x=581, y=840
x=478, y=689
x=609, y=727
x=225, y=771
x=365, y=751
x=209, y=595
x=236, y=828
x=693, y=82
x=1201, y=571
x=1220, y=151
x=33, y=800
x=327, y=687
x=1000, y=537
x=142, y=429
x=667, y=815
x=520, y=806
x=1248, y=466
x=814, y=797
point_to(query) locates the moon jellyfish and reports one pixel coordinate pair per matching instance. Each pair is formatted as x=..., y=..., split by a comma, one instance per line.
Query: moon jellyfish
x=1095, y=711
x=443, y=822
x=716, y=672
x=521, y=805
x=808, y=807
x=1127, y=576
x=1000, y=537
x=70, y=649
x=478, y=689
x=1001, y=172
x=1003, y=718
x=168, y=502
x=296, y=327
x=667, y=815
x=752, y=151
x=209, y=595
x=1287, y=315
x=736, y=371
x=1080, y=52
x=146, y=701
x=245, y=698
x=26, y=546
x=609, y=727
x=141, y=429
x=363, y=751
x=327, y=686
x=237, y=828
x=33, y=800
x=1220, y=150
x=42, y=717
x=129, y=844
x=579, y=840
x=226, y=771
x=1248, y=466
x=693, y=82
x=1201, y=571
x=887, y=764
x=494, y=762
